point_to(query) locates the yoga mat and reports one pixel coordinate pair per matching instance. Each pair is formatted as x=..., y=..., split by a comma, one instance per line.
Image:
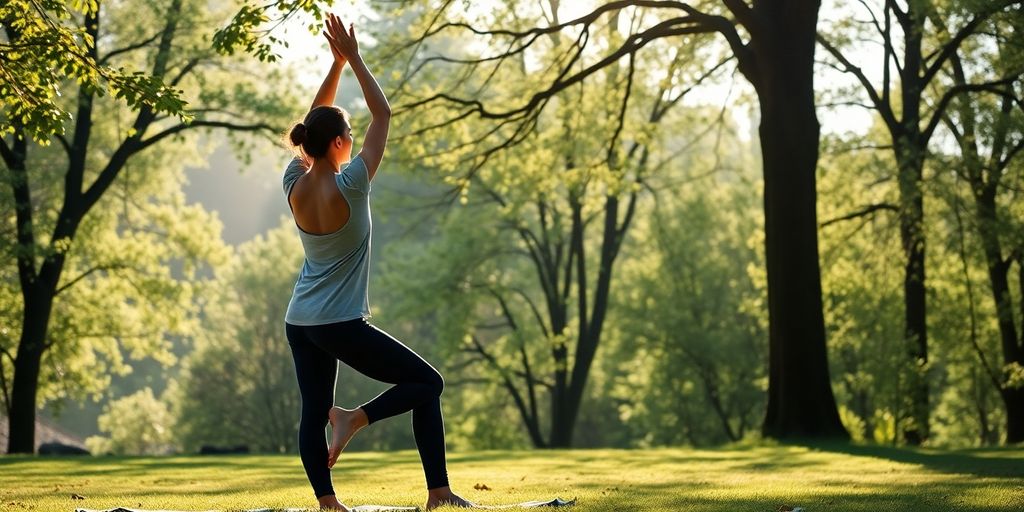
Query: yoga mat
x=557, y=502
x=361, y=508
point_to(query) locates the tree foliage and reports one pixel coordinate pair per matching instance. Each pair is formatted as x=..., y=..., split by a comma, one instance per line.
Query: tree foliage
x=109, y=181
x=522, y=133
x=557, y=203
x=44, y=47
x=137, y=424
x=240, y=360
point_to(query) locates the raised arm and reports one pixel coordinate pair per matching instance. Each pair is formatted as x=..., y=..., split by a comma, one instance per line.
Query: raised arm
x=325, y=96
x=328, y=89
x=344, y=43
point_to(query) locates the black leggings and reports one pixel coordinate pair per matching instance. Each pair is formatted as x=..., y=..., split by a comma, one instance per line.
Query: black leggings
x=316, y=350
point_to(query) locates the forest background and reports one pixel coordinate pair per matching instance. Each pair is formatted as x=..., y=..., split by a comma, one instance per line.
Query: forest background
x=166, y=332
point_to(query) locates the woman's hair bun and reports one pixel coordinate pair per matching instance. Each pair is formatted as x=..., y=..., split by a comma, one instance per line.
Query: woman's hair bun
x=298, y=134
x=315, y=133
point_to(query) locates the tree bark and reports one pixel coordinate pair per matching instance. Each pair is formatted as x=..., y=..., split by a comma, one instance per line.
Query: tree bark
x=910, y=145
x=781, y=65
x=1013, y=398
x=911, y=215
x=1015, y=401
x=998, y=271
x=22, y=419
x=984, y=174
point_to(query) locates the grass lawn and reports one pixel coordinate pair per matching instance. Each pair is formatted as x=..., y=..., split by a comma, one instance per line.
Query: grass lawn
x=762, y=478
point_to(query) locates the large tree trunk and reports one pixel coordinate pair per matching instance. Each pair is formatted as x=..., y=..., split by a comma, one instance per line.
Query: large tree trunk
x=910, y=144
x=37, y=291
x=1014, y=401
x=800, y=400
x=22, y=417
x=561, y=428
x=911, y=215
x=561, y=424
x=590, y=337
x=998, y=270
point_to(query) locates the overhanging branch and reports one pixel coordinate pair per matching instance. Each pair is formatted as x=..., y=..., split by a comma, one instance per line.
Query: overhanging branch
x=946, y=51
x=951, y=93
x=882, y=107
x=143, y=144
x=867, y=210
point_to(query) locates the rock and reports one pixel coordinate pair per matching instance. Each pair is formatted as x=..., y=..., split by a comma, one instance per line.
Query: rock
x=209, y=449
x=57, y=448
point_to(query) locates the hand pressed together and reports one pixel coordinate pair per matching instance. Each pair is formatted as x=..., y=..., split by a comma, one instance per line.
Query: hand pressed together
x=343, y=41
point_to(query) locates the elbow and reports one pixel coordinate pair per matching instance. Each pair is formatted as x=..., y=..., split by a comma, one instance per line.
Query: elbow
x=383, y=112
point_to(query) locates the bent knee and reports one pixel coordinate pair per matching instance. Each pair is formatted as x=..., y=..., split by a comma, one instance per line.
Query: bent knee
x=436, y=382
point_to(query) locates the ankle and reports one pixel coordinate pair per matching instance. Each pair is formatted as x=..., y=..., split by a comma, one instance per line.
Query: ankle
x=361, y=419
x=439, y=493
x=328, y=499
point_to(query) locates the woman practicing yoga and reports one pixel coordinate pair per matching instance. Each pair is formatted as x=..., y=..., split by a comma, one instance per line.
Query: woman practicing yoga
x=326, y=318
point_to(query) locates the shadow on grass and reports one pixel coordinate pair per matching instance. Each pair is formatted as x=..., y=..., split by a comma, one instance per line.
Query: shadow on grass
x=895, y=497
x=137, y=466
x=1003, y=463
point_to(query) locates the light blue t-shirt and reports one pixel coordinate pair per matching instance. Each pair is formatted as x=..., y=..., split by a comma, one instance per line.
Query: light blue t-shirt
x=332, y=285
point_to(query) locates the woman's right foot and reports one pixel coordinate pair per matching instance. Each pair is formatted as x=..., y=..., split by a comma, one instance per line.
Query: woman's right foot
x=452, y=500
x=331, y=503
x=344, y=424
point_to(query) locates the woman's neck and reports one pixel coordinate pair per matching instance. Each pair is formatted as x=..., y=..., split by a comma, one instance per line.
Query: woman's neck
x=328, y=164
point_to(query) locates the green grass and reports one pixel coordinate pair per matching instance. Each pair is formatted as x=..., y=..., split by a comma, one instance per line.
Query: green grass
x=762, y=478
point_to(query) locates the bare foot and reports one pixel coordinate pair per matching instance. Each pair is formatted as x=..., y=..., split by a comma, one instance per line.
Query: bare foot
x=450, y=499
x=344, y=424
x=331, y=503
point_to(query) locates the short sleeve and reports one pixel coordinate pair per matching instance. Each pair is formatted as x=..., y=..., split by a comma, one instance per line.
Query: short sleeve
x=296, y=168
x=358, y=177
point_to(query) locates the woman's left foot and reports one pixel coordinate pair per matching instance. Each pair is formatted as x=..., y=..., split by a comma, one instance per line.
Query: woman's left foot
x=453, y=500
x=344, y=424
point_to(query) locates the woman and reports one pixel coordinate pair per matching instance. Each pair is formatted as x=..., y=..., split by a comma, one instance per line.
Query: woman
x=326, y=317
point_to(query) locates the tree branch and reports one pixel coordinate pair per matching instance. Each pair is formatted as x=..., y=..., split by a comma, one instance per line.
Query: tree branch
x=585, y=20
x=867, y=210
x=947, y=50
x=83, y=275
x=633, y=43
x=952, y=92
x=131, y=47
x=882, y=107
x=744, y=15
x=533, y=308
x=14, y=158
x=64, y=143
x=531, y=422
x=189, y=66
x=6, y=153
x=143, y=144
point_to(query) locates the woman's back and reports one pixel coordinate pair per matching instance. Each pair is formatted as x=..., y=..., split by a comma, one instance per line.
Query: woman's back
x=334, y=280
x=317, y=204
